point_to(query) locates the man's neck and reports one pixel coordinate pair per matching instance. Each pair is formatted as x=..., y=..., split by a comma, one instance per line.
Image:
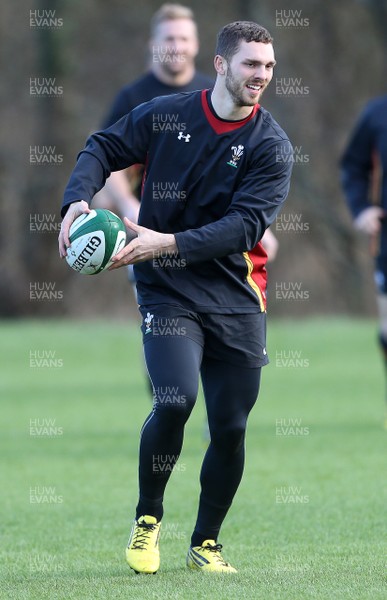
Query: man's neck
x=225, y=108
x=174, y=79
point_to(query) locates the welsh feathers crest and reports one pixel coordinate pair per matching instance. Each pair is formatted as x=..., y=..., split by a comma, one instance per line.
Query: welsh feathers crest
x=237, y=153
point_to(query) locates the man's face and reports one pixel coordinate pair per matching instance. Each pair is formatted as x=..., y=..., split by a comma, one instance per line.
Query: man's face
x=175, y=45
x=249, y=72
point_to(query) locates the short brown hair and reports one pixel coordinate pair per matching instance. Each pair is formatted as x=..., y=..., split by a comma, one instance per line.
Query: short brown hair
x=170, y=12
x=231, y=35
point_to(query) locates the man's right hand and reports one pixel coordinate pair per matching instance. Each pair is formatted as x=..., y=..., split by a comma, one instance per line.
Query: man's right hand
x=75, y=210
x=369, y=220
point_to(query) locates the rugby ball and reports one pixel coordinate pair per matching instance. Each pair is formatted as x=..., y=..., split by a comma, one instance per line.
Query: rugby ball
x=94, y=238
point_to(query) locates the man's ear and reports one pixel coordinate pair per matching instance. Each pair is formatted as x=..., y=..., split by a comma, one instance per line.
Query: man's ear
x=220, y=65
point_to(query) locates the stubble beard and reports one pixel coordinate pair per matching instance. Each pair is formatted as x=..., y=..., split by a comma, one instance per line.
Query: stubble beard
x=236, y=90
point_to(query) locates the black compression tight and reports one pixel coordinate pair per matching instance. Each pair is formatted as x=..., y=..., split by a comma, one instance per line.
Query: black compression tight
x=230, y=392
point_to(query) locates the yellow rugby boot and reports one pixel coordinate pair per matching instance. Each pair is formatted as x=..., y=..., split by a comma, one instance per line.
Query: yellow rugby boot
x=207, y=558
x=142, y=553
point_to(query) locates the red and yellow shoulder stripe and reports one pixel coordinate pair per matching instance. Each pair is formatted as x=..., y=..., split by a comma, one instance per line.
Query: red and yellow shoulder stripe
x=256, y=272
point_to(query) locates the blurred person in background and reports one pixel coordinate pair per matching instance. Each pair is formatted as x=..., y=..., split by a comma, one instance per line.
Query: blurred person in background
x=364, y=180
x=173, y=47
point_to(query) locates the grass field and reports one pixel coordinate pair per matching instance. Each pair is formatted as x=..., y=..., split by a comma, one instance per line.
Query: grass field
x=308, y=519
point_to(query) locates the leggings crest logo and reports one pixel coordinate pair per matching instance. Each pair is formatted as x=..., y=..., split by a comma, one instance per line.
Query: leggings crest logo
x=148, y=323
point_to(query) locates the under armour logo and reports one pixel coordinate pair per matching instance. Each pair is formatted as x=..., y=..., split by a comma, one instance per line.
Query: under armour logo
x=181, y=136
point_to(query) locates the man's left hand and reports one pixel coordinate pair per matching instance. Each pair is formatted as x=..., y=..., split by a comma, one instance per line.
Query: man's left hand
x=147, y=245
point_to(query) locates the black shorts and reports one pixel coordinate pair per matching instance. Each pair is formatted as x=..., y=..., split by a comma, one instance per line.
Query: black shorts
x=239, y=339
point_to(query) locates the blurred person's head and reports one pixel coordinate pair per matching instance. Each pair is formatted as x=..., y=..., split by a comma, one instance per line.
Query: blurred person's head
x=244, y=61
x=174, y=43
